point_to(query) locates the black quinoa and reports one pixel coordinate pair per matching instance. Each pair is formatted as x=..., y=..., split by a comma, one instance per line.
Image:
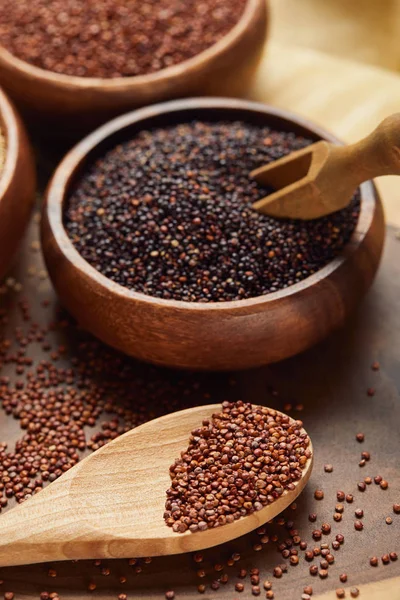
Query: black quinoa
x=169, y=214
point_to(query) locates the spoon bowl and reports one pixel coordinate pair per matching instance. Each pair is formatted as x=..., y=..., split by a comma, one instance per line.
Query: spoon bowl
x=111, y=505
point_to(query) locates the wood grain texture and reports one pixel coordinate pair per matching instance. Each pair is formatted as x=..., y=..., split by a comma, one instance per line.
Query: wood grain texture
x=17, y=183
x=360, y=30
x=322, y=178
x=75, y=518
x=331, y=382
x=79, y=103
x=214, y=336
x=381, y=590
x=346, y=97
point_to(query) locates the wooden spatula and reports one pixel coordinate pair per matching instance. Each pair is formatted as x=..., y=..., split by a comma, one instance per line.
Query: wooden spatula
x=323, y=177
x=111, y=505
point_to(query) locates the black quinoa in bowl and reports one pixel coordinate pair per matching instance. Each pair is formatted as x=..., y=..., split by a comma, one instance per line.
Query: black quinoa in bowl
x=168, y=213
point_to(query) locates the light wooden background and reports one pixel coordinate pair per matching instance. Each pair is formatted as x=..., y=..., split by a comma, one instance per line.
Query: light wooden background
x=334, y=61
x=337, y=62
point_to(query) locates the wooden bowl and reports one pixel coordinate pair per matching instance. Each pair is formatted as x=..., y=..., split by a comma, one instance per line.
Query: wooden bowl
x=213, y=336
x=76, y=103
x=17, y=183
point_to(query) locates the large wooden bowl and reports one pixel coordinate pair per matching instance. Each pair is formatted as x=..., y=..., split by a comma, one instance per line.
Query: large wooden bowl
x=76, y=103
x=214, y=336
x=17, y=183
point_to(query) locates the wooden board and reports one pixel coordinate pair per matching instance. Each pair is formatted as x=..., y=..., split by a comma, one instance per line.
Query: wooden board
x=331, y=382
x=362, y=30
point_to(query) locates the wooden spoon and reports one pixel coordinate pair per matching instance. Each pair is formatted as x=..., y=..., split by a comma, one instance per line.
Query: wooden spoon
x=322, y=178
x=111, y=504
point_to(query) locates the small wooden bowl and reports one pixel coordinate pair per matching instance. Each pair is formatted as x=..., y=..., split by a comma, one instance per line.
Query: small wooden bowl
x=17, y=183
x=213, y=336
x=74, y=104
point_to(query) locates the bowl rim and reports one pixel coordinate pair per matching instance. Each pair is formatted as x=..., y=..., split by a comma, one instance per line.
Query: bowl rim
x=9, y=130
x=120, y=83
x=60, y=183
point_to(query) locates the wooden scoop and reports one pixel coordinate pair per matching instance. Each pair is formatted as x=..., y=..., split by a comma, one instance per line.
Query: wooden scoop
x=111, y=505
x=322, y=178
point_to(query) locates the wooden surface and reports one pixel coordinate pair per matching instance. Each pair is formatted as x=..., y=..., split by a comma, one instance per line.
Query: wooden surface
x=361, y=30
x=17, y=183
x=322, y=178
x=72, y=104
x=215, y=336
x=76, y=518
x=331, y=382
x=347, y=98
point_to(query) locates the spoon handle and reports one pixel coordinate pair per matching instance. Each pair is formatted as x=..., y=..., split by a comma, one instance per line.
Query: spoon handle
x=377, y=154
x=42, y=529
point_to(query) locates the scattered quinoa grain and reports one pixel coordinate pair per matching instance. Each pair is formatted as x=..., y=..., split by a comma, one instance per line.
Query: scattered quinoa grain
x=323, y=573
x=325, y=528
x=239, y=587
x=308, y=590
x=340, y=538
x=312, y=517
x=267, y=585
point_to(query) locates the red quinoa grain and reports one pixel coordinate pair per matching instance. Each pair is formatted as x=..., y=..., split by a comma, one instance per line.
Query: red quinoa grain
x=257, y=425
x=113, y=38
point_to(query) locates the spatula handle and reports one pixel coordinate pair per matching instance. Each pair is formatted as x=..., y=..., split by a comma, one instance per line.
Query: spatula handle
x=378, y=153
